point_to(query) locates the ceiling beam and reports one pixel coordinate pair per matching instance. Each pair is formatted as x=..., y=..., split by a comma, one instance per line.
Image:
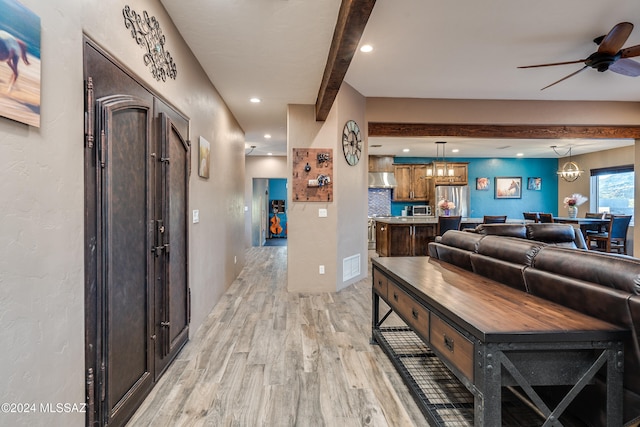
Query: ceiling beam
x=502, y=131
x=352, y=19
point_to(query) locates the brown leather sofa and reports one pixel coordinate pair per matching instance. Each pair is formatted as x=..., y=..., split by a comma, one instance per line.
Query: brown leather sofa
x=605, y=286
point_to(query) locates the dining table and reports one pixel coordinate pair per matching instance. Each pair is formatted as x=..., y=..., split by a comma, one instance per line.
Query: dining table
x=585, y=224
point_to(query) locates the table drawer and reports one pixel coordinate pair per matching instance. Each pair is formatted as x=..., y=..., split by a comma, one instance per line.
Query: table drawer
x=380, y=282
x=452, y=345
x=416, y=316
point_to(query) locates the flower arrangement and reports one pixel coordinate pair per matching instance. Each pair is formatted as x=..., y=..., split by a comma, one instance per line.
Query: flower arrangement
x=575, y=199
x=444, y=204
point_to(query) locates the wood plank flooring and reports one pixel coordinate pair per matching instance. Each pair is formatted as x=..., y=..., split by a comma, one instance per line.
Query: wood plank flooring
x=267, y=357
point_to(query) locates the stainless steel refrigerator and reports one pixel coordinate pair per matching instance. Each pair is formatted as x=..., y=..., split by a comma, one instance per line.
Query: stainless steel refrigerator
x=458, y=194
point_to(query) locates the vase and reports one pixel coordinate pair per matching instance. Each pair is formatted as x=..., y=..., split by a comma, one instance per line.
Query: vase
x=447, y=212
x=572, y=211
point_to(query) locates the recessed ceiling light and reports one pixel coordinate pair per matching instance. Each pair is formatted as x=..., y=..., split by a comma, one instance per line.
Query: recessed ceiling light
x=519, y=154
x=269, y=154
x=267, y=136
x=366, y=48
x=405, y=150
x=455, y=150
x=255, y=100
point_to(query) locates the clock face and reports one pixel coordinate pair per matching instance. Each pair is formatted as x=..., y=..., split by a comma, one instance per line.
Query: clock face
x=351, y=142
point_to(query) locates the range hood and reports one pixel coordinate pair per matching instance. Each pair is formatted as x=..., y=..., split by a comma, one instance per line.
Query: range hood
x=381, y=180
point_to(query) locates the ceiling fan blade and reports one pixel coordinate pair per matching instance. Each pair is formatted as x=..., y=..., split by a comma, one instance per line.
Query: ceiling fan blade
x=626, y=67
x=566, y=77
x=630, y=52
x=553, y=63
x=613, y=41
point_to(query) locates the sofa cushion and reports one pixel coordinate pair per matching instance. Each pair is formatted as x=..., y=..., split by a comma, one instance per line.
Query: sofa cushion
x=455, y=247
x=518, y=251
x=557, y=234
x=509, y=230
x=614, y=271
x=461, y=239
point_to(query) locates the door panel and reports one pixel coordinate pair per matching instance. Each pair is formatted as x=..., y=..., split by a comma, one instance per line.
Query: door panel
x=172, y=302
x=125, y=139
x=136, y=251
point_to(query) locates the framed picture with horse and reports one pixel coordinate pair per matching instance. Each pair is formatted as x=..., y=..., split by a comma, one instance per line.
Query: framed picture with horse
x=19, y=63
x=508, y=187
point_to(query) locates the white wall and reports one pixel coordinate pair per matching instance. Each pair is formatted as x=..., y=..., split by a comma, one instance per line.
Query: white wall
x=41, y=227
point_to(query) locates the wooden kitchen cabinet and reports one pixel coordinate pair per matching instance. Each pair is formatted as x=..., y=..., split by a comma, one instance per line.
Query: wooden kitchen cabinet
x=460, y=173
x=412, y=185
x=403, y=239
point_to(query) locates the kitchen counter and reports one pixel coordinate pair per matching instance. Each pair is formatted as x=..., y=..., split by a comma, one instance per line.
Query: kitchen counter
x=431, y=220
x=410, y=235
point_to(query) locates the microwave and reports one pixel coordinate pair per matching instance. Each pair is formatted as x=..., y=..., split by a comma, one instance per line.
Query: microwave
x=421, y=210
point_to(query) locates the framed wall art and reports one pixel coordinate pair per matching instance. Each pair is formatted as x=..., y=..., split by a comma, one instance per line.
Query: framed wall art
x=204, y=158
x=508, y=187
x=534, y=183
x=19, y=63
x=482, y=184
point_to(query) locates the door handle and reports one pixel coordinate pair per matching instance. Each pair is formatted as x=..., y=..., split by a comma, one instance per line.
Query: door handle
x=165, y=324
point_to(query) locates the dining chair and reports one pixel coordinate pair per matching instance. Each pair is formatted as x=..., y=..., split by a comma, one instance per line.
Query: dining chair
x=614, y=239
x=446, y=223
x=596, y=215
x=494, y=219
x=594, y=228
x=532, y=216
x=545, y=217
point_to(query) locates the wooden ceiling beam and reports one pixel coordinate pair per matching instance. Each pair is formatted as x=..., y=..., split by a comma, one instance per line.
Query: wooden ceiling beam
x=352, y=19
x=382, y=129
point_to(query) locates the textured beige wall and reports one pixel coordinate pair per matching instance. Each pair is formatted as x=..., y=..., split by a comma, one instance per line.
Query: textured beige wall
x=41, y=230
x=314, y=241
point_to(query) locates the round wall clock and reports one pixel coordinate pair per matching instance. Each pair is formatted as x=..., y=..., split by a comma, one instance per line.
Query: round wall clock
x=351, y=142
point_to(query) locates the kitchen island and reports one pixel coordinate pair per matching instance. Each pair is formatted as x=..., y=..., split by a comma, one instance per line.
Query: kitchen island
x=410, y=235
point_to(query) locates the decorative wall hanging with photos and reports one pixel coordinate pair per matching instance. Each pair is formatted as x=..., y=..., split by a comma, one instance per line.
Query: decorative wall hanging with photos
x=312, y=172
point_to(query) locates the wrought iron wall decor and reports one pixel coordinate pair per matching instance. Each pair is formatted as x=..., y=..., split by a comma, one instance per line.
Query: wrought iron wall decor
x=147, y=33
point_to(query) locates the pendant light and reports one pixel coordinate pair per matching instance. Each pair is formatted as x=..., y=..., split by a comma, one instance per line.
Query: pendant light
x=570, y=170
x=440, y=170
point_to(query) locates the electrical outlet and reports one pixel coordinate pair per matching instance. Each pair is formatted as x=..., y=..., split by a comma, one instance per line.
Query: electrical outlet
x=322, y=213
x=321, y=269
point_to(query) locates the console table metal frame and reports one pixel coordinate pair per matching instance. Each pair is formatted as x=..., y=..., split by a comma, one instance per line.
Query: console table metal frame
x=570, y=350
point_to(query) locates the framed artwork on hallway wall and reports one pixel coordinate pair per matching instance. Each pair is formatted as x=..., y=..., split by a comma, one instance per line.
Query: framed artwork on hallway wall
x=508, y=187
x=19, y=63
x=204, y=158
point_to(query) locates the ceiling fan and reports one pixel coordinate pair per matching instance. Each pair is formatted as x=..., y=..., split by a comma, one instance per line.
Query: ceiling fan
x=609, y=55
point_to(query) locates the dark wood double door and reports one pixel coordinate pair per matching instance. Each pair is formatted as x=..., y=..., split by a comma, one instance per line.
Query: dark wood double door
x=137, y=166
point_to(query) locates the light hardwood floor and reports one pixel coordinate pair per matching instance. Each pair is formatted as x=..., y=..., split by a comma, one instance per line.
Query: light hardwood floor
x=267, y=357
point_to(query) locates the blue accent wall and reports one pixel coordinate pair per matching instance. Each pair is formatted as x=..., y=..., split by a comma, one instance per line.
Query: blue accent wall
x=484, y=202
x=277, y=189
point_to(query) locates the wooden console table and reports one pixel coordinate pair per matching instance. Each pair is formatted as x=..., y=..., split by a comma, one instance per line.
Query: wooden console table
x=491, y=336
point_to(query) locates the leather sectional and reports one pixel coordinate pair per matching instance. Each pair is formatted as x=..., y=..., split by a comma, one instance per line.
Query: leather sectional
x=546, y=260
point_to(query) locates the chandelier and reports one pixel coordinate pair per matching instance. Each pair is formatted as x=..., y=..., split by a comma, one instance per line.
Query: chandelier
x=570, y=170
x=443, y=167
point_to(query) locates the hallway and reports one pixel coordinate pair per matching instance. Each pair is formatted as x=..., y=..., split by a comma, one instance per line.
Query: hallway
x=267, y=357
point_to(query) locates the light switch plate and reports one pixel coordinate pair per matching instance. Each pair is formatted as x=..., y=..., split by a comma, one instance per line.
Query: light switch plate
x=196, y=216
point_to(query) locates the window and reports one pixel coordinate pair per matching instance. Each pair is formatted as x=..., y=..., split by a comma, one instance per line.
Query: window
x=612, y=190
